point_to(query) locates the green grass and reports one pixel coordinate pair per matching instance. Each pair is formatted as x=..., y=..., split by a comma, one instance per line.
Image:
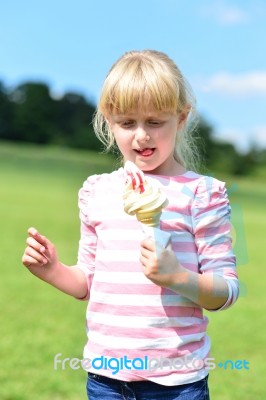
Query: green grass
x=39, y=188
x=238, y=333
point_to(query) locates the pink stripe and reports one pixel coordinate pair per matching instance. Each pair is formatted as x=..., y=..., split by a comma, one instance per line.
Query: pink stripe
x=174, y=225
x=183, y=208
x=126, y=245
x=146, y=311
x=211, y=250
x=118, y=266
x=128, y=222
x=215, y=230
x=190, y=266
x=202, y=211
x=147, y=333
x=204, y=231
x=184, y=247
x=129, y=288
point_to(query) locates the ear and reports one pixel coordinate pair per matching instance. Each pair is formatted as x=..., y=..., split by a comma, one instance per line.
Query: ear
x=182, y=117
x=108, y=120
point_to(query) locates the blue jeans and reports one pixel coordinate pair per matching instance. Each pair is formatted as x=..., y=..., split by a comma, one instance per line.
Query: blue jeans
x=103, y=388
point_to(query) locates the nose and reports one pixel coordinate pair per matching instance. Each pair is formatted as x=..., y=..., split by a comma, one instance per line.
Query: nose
x=141, y=134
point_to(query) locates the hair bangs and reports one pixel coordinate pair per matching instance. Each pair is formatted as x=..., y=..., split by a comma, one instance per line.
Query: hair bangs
x=138, y=87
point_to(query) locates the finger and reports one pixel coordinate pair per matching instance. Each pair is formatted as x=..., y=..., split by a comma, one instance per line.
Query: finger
x=142, y=261
x=37, y=236
x=35, y=244
x=32, y=256
x=148, y=259
x=148, y=244
x=29, y=261
x=145, y=259
x=146, y=254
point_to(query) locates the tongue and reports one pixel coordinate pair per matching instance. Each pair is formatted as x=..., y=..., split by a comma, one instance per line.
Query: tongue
x=146, y=152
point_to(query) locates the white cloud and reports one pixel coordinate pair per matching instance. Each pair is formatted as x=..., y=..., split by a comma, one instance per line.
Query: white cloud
x=237, y=137
x=246, y=84
x=243, y=140
x=225, y=14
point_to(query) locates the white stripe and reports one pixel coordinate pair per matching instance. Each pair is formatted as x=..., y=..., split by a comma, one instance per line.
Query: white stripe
x=218, y=256
x=139, y=300
x=140, y=322
x=113, y=342
x=121, y=234
x=119, y=255
x=122, y=277
x=133, y=256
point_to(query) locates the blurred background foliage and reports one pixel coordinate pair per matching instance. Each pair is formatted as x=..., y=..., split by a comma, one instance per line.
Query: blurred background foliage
x=29, y=113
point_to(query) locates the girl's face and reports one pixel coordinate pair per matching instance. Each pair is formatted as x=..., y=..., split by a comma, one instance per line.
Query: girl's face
x=148, y=139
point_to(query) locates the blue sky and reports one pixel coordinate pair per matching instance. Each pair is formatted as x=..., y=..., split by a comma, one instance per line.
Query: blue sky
x=218, y=44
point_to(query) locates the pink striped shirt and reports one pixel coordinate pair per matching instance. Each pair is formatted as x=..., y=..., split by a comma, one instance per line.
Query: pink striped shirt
x=127, y=314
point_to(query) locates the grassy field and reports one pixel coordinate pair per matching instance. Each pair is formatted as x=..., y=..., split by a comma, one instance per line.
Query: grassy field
x=39, y=188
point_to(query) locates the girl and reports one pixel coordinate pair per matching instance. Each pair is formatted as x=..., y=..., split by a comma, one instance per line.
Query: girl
x=146, y=329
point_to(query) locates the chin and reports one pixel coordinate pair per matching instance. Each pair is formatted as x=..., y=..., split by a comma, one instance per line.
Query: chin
x=144, y=166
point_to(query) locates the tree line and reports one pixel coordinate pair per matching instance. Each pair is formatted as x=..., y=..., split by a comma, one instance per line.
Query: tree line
x=28, y=113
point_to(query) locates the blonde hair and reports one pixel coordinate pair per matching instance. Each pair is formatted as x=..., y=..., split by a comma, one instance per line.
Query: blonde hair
x=148, y=79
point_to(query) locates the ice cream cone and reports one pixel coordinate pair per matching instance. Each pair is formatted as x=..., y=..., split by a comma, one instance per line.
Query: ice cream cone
x=144, y=198
x=150, y=218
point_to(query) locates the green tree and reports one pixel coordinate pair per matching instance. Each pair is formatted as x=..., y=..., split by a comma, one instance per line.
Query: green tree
x=74, y=117
x=222, y=156
x=34, y=113
x=6, y=114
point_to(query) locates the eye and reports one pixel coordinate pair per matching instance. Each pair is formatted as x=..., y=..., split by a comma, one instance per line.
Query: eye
x=154, y=122
x=127, y=123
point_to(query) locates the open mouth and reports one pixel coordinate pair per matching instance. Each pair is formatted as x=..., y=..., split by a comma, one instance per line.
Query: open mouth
x=146, y=152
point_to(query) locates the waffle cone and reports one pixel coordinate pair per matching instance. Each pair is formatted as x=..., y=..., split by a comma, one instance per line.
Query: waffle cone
x=150, y=218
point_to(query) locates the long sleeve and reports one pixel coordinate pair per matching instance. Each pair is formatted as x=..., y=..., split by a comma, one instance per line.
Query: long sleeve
x=212, y=230
x=88, y=237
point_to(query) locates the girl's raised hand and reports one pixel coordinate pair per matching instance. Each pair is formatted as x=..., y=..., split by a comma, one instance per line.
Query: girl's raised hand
x=40, y=252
